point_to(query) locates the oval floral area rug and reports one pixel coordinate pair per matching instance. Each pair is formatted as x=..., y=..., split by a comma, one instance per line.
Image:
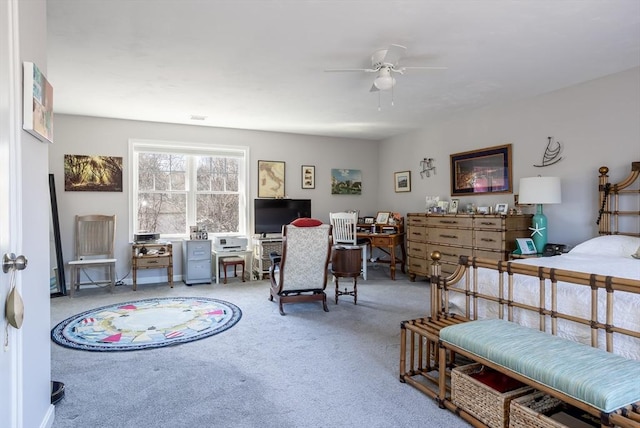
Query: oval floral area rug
x=143, y=324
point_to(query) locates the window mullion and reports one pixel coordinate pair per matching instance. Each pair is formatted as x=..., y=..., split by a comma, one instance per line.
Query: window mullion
x=191, y=188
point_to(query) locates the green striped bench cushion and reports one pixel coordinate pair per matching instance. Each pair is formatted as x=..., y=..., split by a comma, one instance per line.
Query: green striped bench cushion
x=604, y=380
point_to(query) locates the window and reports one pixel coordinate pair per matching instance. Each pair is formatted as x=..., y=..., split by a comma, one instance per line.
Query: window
x=177, y=185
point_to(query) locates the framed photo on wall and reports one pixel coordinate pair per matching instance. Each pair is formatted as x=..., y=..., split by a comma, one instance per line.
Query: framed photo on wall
x=270, y=179
x=308, y=177
x=402, y=181
x=481, y=171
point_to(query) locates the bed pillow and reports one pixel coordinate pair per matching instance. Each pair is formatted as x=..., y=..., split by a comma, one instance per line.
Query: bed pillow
x=608, y=245
x=306, y=222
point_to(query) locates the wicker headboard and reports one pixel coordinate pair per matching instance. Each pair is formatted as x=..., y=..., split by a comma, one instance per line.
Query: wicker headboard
x=619, y=212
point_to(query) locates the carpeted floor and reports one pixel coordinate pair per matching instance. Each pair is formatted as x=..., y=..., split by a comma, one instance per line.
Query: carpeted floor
x=309, y=368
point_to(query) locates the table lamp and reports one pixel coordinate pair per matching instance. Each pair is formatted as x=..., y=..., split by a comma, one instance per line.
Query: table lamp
x=539, y=191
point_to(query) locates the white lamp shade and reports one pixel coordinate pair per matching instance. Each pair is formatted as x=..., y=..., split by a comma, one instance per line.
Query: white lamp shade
x=540, y=190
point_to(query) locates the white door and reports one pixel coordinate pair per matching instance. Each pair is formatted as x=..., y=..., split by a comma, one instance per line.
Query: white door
x=9, y=218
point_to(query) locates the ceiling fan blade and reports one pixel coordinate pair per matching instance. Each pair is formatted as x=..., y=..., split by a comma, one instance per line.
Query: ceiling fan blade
x=366, y=70
x=394, y=53
x=421, y=68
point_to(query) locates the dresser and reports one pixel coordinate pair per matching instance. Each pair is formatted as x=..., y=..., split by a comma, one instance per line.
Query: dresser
x=490, y=236
x=196, y=261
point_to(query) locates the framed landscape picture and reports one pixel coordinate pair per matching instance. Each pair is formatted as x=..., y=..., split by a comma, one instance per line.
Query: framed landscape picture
x=346, y=182
x=481, y=171
x=271, y=179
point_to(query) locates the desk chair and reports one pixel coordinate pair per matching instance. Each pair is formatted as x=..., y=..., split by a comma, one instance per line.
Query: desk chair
x=344, y=233
x=95, y=238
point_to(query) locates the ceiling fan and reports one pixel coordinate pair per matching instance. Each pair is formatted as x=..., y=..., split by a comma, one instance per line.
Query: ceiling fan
x=384, y=62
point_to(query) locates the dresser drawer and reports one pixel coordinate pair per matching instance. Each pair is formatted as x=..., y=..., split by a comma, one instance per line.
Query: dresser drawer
x=419, y=266
x=416, y=220
x=417, y=233
x=450, y=221
x=496, y=223
x=489, y=239
x=417, y=250
x=462, y=237
x=451, y=254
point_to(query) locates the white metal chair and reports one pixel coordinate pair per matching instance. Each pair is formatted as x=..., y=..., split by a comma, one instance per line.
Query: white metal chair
x=95, y=238
x=345, y=233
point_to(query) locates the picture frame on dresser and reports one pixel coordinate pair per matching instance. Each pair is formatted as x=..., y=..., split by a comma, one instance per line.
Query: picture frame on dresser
x=482, y=171
x=502, y=209
x=453, y=206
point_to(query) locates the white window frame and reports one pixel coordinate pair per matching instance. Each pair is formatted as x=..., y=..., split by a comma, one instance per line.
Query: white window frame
x=190, y=148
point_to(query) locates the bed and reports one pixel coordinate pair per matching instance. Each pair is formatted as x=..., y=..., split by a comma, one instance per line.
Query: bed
x=614, y=253
x=589, y=295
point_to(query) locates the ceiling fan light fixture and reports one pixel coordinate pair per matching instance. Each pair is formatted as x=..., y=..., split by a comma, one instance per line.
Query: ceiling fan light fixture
x=384, y=83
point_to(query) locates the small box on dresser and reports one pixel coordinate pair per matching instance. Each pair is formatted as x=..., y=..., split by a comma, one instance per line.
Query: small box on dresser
x=480, y=399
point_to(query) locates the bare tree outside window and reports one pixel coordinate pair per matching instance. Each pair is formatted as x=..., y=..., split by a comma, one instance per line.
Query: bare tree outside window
x=179, y=190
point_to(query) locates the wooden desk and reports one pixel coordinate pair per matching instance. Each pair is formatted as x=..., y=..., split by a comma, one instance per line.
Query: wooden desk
x=387, y=243
x=152, y=256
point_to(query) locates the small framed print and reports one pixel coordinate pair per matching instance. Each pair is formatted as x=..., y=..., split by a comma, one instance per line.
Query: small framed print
x=502, y=209
x=453, y=206
x=308, y=177
x=526, y=246
x=402, y=181
x=382, y=217
x=369, y=220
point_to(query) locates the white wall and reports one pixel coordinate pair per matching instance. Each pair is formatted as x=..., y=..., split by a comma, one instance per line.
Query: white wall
x=598, y=123
x=109, y=137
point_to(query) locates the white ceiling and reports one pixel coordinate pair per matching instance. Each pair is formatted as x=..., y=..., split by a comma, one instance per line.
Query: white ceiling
x=260, y=64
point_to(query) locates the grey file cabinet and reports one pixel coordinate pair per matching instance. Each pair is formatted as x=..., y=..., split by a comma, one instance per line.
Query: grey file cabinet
x=196, y=261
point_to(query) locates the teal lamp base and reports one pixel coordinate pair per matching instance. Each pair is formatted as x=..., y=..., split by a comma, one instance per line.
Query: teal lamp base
x=539, y=229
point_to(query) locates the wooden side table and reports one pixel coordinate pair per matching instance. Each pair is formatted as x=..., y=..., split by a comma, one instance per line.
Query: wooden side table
x=152, y=256
x=346, y=262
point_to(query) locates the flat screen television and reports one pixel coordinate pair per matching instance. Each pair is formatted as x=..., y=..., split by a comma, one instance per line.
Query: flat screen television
x=271, y=214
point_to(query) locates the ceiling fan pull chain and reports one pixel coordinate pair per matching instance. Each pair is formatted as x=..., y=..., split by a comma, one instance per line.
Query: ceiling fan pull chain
x=392, y=96
x=379, y=108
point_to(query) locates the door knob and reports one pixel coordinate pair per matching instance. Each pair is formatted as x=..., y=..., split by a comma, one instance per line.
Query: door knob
x=11, y=261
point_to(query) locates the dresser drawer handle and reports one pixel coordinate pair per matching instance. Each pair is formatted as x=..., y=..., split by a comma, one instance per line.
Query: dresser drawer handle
x=488, y=240
x=448, y=222
x=487, y=223
x=449, y=236
x=450, y=255
x=152, y=261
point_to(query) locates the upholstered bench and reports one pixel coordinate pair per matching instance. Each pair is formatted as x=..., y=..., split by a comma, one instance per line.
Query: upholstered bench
x=600, y=379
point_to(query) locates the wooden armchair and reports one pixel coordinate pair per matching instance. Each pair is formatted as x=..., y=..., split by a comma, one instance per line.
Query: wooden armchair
x=300, y=273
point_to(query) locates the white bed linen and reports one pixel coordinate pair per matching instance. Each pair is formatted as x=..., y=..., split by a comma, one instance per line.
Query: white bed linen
x=573, y=299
